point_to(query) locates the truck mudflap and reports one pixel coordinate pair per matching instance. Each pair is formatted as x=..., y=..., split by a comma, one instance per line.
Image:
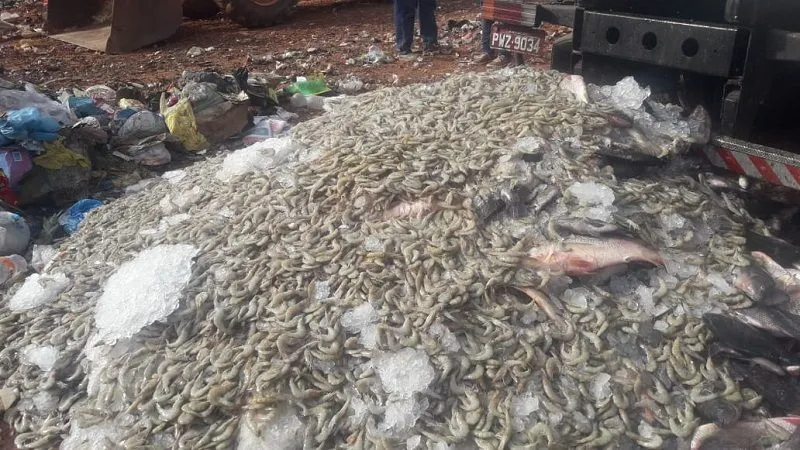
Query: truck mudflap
x=757, y=161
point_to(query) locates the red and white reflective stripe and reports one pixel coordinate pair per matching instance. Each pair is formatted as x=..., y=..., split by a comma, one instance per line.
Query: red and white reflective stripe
x=754, y=166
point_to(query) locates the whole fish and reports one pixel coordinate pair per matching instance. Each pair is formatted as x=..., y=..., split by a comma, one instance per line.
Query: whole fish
x=746, y=434
x=780, y=251
x=745, y=338
x=757, y=284
x=776, y=321
x=722, y=412
x=784, y=279
x=585, y=226
x=781, y=392
x=586, y=256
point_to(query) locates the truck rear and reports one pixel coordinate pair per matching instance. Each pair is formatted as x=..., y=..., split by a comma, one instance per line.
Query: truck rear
x=740, y=59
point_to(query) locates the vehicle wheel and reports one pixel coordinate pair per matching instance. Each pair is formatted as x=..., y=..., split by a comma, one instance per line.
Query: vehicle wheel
x=562, y=54
x=200, y=9
x=260, y=13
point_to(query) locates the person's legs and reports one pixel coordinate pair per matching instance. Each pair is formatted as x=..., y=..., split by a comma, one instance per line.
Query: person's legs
x=427, y=22
x=486, y=36
x=404, y=24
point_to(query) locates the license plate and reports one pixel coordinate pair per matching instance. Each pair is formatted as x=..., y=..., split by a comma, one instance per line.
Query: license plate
x=516, y=40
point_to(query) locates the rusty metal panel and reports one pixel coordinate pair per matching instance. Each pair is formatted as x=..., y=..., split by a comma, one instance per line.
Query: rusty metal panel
x=139, y=23
x=113, y=26
x=512, y=12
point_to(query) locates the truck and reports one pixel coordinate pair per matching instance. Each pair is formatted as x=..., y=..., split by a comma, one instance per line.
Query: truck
x=737, y=58
x=121, y=26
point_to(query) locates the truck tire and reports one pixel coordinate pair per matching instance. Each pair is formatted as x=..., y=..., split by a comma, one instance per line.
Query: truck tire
x=260, y=13
x=561, y=57
x=200, y=9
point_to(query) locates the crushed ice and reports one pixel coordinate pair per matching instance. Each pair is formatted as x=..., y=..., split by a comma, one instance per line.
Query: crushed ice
x=144, y=290
x=258, y=157
x=44, y=357
x=38, y=290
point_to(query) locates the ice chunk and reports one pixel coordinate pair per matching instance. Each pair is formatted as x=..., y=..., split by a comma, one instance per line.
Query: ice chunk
x=531, y=144
x=626, y=94
x=404, y=372
x=361, y=320
x=258, y=157
x=660, y=325
x=718, y=281
x=623, y=284
x=144, y=290
x=96, y=437
x=578, y=297
x=360, y=411
x=645, y=299
x=369, y=336
x=45, y=401
x=38, y=290
x=414, y=442
x=530, y=317
x=322, y=290
x=42, y=255
x=356, y=319
x=592, y=194
x=575, y=85
x=600, y=387
x=673, y=221
x=402, y=414
x=279, y=430
x=601, y=213
x=446, y=338
x=174, y=176
x=373, y=244
x=140, y=186
x=45, y=357
x=522, y=406
x=677, y=265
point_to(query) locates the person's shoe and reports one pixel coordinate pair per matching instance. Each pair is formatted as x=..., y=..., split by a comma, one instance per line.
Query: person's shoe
x=404, y=55
x=500, y=61
x=430, y=48
x=484, y=58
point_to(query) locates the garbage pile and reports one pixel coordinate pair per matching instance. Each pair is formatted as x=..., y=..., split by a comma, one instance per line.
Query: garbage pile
x=468, y=271
x=47, y=144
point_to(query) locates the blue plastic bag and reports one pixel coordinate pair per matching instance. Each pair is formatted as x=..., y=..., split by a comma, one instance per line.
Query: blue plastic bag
x=73, y=217
x=84, y=107
x=29, y=123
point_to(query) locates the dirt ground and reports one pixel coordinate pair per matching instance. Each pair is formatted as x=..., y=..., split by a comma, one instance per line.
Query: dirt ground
x=339, y=33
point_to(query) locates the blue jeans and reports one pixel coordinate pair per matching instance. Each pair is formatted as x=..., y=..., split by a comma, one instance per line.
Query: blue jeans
x=486, y=37
x=404, y=17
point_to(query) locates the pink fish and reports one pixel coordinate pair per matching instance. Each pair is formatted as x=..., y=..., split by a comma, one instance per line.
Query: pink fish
x=745, y=434
x=586, y=256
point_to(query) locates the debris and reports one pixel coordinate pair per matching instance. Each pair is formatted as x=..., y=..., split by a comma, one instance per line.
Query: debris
x=72, y=217
x=14, y=234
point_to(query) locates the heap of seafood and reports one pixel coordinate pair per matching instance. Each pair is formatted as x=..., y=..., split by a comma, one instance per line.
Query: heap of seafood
x=452, y=265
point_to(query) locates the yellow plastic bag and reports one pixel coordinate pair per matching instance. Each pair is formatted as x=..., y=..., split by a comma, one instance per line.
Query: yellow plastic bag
x=181, y=123
x=58, y=156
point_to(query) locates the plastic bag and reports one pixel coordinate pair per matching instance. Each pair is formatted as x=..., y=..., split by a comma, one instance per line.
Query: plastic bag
x=29, y=123
x=12, y=100
x=58, y=156
x=181, y=123
x=14, y=234
x=73, y=217
x=12, y=268
x=202, y=95
x=84, y=107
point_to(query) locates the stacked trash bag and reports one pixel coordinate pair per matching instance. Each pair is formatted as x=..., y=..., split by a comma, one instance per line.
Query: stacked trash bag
x=49, y=140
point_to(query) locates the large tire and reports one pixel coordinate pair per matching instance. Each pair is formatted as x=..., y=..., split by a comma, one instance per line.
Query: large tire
x=200, y=9
x=260, y=13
